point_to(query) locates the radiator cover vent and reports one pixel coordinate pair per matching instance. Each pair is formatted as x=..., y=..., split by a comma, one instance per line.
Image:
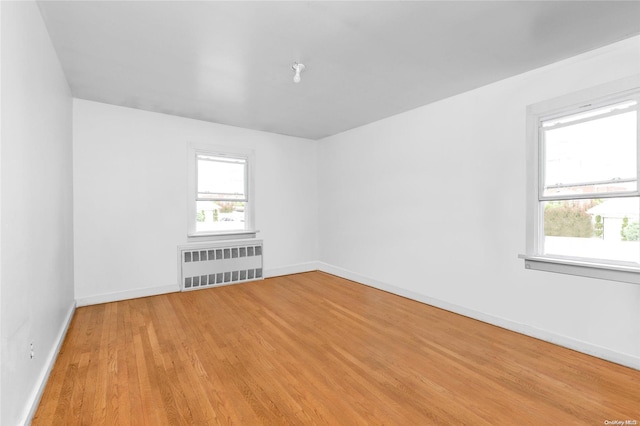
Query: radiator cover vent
x=211, y=264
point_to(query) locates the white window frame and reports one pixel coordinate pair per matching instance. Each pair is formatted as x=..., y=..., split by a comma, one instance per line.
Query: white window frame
x=561, y=106
x=193, y=150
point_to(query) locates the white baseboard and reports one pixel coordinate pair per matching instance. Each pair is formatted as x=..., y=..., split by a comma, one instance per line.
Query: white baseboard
x=154, y=291
x=126, y=295
x=36, y=395
x=557, y=339
x=292, y=269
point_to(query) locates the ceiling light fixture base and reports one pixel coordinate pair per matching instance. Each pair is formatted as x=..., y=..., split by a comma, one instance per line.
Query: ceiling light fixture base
x=298, y=68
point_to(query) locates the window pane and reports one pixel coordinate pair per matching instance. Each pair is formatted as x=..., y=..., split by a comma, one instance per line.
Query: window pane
x=605, y=229
x=221, y=178
x=220, y=216
x=592, y=156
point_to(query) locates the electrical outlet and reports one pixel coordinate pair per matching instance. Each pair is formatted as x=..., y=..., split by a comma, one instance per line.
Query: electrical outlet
x=32, y=353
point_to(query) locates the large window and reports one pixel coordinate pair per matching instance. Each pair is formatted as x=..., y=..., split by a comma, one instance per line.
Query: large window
x=584, y=205
x=219, y=192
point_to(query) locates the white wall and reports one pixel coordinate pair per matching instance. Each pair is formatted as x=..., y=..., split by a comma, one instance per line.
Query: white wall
x=130, y=189
x=431, y=204
x=36, y=217
x=1, y=341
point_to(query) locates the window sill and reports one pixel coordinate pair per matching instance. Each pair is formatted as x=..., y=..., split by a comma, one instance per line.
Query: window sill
x=605, y=271
x=222, y=235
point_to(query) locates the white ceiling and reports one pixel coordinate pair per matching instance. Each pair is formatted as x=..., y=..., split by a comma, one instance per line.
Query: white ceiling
x=230, y=62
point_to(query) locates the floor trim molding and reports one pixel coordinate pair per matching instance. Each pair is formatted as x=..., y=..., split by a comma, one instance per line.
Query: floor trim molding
x=565, y=341
x=154, y=291
x=126, y=295
x=36, y=395
x=292, y=269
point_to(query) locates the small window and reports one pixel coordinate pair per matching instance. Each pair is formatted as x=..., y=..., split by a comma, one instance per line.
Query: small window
x=220, y=192
x=585, y=209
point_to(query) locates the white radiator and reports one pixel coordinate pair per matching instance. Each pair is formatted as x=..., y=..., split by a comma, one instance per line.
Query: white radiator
x=204, y=265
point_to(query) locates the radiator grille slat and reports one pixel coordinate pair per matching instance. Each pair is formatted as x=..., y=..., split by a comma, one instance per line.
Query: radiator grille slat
x=220, y=263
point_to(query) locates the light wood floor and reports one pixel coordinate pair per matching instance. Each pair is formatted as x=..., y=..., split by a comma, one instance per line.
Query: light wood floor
x=316, y=349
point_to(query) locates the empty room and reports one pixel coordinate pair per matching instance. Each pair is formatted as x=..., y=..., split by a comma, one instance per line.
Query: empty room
x=319, y=212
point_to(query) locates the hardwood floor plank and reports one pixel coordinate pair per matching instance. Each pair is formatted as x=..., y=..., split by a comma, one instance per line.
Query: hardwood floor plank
x=316, y=349
x=128, y=372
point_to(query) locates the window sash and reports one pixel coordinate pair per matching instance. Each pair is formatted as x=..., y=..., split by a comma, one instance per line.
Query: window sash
x=627, y=256
x=626, y=104
x=221, y=195
x=612, y=194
